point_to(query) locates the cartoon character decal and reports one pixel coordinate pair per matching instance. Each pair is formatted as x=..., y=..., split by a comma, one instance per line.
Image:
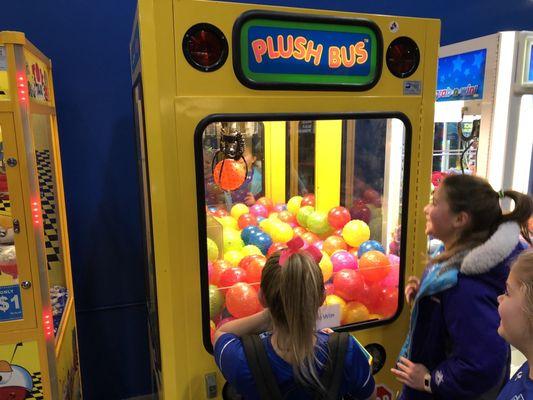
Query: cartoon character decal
x=15, y=381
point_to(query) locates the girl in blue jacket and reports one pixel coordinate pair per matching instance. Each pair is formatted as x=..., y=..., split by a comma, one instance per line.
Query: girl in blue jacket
x=453, y=350
x=293, y=290
x=516, y=326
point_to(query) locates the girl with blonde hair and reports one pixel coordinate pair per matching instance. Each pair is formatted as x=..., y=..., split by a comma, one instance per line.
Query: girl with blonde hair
x=300, y=363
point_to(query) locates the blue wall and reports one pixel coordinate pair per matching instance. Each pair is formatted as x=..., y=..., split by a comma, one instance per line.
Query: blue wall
x=88, y=44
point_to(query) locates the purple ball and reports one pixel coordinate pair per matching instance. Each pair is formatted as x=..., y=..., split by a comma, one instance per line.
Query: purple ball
x=343, y=260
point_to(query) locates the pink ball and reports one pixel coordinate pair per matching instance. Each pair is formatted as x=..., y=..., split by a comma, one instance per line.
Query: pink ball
x=209, y=270
x=259, y=210
x=279, y=207
x=393, y=277
x=343, y=260
x=394, y=259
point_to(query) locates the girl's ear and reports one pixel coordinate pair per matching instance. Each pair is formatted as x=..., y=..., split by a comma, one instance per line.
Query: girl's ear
x=461, y=220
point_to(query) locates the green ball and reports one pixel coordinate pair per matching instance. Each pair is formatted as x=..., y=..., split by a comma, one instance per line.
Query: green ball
x=303, y=213
x=317, y=222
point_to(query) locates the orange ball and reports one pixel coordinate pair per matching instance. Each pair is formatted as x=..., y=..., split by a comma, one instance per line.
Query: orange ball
x=374, y=265
x=310, y=238
x=230, y=174
x=334, y=243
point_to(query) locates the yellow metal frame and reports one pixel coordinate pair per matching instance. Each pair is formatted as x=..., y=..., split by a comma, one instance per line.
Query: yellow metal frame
x=55, y=355
x=177, y=97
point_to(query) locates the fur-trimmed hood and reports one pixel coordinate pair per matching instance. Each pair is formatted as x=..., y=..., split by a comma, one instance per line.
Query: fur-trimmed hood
x=495, y=250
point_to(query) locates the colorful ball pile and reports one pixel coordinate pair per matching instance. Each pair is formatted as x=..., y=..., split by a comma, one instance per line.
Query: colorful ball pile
x=358, y=274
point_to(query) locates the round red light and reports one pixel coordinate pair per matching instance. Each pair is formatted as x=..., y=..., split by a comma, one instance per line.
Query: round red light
x=403, y=57
x=205, y=47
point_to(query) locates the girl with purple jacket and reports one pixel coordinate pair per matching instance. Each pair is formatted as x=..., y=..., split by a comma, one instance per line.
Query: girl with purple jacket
x=453, y=350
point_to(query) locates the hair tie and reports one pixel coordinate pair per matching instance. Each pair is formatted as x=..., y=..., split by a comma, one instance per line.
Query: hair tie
x=501, y=194
x=294, y=246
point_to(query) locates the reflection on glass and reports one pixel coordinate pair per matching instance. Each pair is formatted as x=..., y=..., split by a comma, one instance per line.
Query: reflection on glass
x=10, y=299
x=42, y=134
x=352, y=213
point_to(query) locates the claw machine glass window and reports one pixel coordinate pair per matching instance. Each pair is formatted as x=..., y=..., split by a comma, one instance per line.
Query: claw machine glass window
x=300, y=160
x=354, y=215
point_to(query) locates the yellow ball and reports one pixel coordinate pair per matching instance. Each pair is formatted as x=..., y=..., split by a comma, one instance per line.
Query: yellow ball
x=250, y=250
x=334, y=299
x=293, y=205
x=239, y=209
x=266, y=225
x=326, y=266
x=229, y=222
x=234, y=257
x=355, y=232
x=281, y=232
x=232, y=240
x=212, y=250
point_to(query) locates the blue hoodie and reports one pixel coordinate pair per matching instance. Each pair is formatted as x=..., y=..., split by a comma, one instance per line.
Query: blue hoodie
x=454, y=321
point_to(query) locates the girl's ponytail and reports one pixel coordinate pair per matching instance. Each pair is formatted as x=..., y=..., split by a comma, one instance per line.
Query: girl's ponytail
x=523, y=209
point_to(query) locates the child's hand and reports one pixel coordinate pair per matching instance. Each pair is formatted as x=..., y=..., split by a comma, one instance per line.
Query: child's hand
x=249, y=200
x=410, y=374
x=411, y=289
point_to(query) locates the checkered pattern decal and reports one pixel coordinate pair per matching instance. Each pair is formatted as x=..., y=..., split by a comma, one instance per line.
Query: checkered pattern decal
x=37, y=391
x=48, y=205
x=5, y=206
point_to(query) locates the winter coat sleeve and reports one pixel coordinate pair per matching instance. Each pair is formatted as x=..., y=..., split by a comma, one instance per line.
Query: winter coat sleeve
x=478, y=354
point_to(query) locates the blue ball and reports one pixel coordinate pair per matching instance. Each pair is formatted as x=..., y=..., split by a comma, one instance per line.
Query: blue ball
x=248, y=232
x=369, y=245
x=262, y=241
x=212, y=209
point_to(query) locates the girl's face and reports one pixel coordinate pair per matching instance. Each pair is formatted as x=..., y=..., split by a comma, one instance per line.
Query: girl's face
x=441, y=222
x=514, y=325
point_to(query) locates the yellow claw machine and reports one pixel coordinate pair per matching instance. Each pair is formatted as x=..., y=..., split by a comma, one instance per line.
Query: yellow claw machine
x=38, y=342
x=256, y=124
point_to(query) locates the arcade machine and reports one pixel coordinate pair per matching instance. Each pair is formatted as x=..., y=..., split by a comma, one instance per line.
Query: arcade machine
x=484, y=109
x=38, y=345
x=256, y=124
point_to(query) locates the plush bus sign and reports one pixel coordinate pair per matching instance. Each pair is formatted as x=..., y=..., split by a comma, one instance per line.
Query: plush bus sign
x=287, y=51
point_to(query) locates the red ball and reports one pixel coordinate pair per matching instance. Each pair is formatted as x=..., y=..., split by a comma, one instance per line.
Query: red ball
x=276, y=247
x=348, y=284
x=229, y=174
x=370, y=196
x=253, y=266
x=308, y=200
x=387, y=303
x=230, y=277
x=218, y=267
x=338, y=217
x=242, y=300
x=361, y=212
x=246, y=220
